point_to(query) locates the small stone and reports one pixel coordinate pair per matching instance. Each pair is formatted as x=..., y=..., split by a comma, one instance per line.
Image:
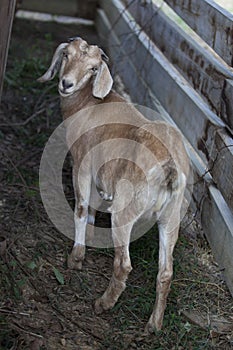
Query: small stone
x=63, y=341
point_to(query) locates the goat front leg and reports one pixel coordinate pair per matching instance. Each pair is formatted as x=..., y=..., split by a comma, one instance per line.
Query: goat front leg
x=77, y=255
x=121, y=269
x=169, y=224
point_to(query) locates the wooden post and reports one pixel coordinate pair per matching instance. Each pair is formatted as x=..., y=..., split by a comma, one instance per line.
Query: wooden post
x=7, y=10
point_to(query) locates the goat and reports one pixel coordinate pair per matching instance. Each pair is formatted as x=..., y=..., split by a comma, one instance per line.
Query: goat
x=85, y=84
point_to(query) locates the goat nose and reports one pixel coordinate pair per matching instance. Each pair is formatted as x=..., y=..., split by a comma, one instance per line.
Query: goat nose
x=66, y=84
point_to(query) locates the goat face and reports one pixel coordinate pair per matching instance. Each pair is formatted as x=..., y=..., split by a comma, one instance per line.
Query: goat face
x=79, y=65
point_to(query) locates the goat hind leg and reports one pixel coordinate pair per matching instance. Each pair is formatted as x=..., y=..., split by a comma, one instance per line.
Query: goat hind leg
x=169, y=224
x=164, y=277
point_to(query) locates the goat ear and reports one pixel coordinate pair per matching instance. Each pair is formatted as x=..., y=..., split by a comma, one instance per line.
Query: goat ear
x=104, y=56
x=103, y=82
x=55, y=64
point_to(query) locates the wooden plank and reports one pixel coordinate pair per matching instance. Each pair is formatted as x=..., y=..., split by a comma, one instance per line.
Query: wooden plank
x=7, y=10
x=204, y=71
x=219, y=212
x=221, y=165
x=210, y=21
x=190, y=113
x=217, y=222
x=227, y=103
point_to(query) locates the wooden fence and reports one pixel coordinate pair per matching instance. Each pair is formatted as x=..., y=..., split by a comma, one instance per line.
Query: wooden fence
x=188, y=79
x=7, y=9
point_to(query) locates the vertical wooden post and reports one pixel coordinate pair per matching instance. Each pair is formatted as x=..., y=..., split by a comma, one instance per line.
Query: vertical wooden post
x=7, y=10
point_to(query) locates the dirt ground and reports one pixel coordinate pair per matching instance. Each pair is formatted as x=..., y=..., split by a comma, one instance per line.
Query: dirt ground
x=44, y=305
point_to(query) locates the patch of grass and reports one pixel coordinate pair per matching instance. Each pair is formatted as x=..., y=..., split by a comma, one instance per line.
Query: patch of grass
x=12, y=280
x=27, y=95
x=7, y=336
x=20, y=75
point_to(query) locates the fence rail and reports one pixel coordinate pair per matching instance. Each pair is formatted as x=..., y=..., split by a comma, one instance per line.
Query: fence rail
x=166, y=68
x=210, y=21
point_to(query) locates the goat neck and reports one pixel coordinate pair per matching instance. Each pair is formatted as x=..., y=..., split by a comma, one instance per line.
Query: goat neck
x=79, y=100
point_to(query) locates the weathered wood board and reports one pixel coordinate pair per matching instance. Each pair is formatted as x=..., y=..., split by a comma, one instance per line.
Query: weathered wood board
x=210, y=21
x=221, y=165
x=227, y=107
x=7, y=10
x=204, y=71
x=217, y=222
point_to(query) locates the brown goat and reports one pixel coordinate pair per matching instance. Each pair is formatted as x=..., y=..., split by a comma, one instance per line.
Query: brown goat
x=139, y=167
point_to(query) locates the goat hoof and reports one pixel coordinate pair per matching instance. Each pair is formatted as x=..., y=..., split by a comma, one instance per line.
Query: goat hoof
x=99, y=309
x=75, y=259
x=151, y=328
x=102, y=305
x=74, y=264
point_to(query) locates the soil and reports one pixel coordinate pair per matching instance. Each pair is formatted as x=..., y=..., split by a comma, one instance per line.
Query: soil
x=43, y=304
